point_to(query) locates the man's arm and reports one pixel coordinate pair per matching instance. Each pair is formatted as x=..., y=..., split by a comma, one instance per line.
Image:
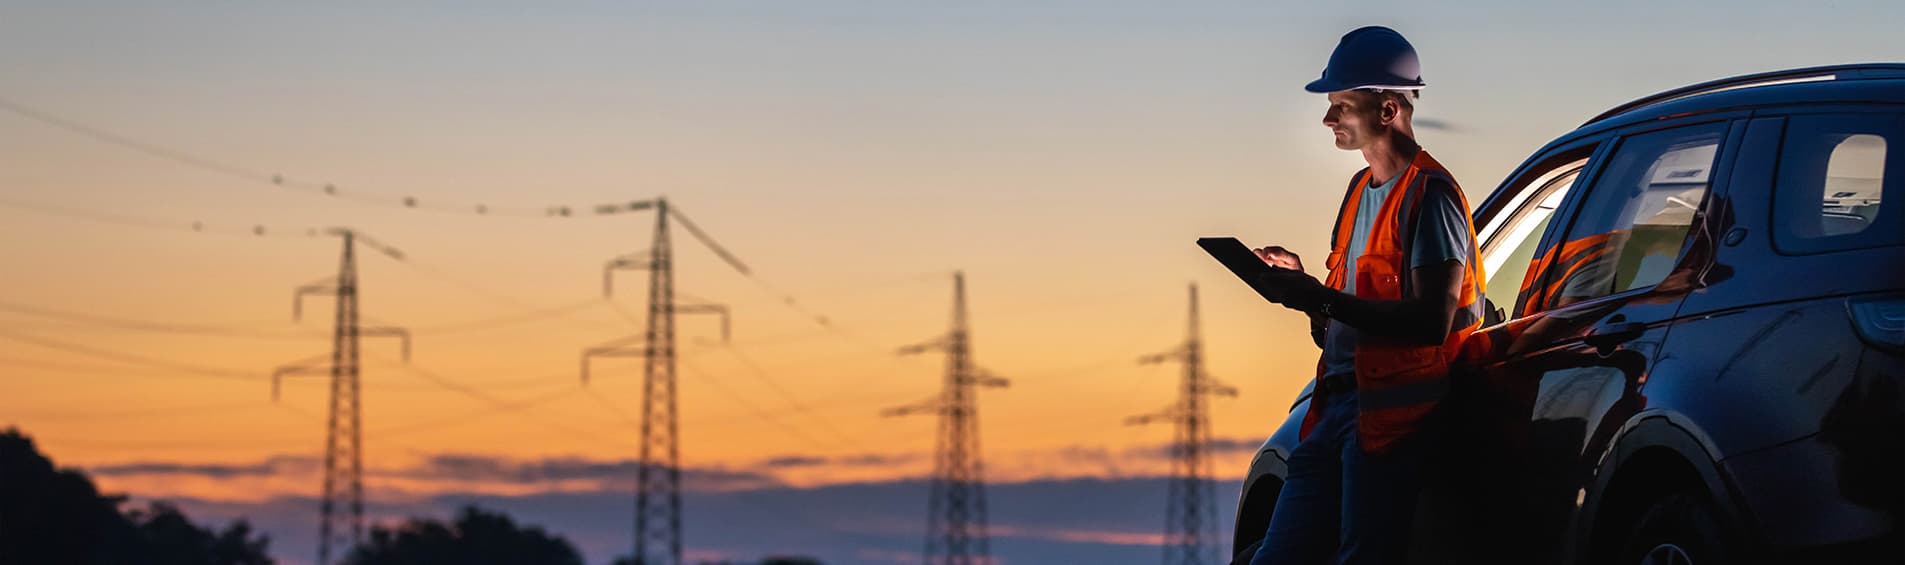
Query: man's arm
x=1423, y=319
x=1319, y=328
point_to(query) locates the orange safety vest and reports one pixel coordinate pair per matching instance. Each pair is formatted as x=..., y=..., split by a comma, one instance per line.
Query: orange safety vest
x=1398, y=384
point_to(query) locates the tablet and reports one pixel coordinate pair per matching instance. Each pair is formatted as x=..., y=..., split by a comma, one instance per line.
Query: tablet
x=1239, y=259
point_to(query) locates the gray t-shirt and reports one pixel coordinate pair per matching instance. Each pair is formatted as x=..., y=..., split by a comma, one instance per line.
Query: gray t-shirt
x=1441, y=235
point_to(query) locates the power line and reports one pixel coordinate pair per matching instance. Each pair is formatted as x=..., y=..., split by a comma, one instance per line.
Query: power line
x=504, y=383
x=150, y=326
x=280, y=180
x=845, y=392
x=510, y=302
x=754, y=409
x=496, y=406
x=215, y=445
x=106, y=371
x=331, y=189
x=528, y=314
x=137, y=413
x=761, y=374
x=195, y=226
x=505, y=320
x=531, y=313
x=788, y=397
x=196, y=370
x=617, y=411
x=445, y=328
x=502, y=404
x=503, y=407
x=266, y=230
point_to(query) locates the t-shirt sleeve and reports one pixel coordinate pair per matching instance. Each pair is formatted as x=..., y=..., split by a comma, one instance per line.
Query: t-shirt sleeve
x=1442, y=231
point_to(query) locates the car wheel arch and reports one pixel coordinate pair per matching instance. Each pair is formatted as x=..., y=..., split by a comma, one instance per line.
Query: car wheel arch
x=1654, y=454
x=1258, y=500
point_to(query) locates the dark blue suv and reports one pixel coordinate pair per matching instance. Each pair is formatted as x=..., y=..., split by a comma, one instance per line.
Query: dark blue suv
x=1697, y=352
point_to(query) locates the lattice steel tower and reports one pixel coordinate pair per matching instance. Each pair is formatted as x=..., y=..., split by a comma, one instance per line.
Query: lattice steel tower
x=343, y=438
x=1190, y=528
x=956, y=512
x=658, y=479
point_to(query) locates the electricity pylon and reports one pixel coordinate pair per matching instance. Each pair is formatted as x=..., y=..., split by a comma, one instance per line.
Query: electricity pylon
x=658, y=479
x=956, y=512
x=1190, y=528
x=343, y=438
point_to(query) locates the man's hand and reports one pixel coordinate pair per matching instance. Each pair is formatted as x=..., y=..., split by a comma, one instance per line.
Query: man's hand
x=1293, y=289
x=1280, y=257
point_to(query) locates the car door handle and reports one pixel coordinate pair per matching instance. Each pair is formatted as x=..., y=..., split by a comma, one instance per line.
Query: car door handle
x=1606, y=336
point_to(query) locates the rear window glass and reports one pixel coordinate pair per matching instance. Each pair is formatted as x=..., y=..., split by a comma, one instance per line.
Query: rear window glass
x=1836, y=173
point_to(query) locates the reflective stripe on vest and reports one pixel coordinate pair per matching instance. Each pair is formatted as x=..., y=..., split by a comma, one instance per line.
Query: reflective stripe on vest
x=1398, y=384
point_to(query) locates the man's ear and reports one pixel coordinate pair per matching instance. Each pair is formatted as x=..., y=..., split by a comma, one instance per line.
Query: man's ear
x=1391, y=111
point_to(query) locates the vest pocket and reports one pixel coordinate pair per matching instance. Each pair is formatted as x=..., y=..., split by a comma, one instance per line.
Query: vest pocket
x=1378, y=277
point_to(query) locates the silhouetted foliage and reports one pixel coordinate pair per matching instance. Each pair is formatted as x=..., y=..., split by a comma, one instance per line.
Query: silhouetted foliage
x=769, y=560
x=476, y=537
x=172, y=539
x=52, y=515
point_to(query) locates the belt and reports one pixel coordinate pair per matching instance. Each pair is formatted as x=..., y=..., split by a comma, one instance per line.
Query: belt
x=1340, y=382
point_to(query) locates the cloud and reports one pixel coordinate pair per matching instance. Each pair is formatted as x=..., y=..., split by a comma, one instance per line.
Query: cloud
x=1434, y=124
x=463, y=469
x=1217, y=446
x=861, y=460
x=274, y=465
x=889, y=556
x=793, y=461
x=430, y=475
x=492, y=469
x=1089, y=458
x=1115, y=537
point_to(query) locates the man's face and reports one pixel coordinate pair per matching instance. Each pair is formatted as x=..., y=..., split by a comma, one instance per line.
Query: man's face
x=1356, y=118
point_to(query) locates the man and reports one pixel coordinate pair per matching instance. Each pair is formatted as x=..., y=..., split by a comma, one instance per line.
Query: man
x=1404, y=290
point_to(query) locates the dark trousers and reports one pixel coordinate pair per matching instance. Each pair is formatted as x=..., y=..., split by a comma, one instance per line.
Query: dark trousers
x=1340, y=505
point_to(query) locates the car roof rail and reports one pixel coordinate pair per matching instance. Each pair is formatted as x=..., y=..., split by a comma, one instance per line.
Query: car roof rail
x=1808, y=74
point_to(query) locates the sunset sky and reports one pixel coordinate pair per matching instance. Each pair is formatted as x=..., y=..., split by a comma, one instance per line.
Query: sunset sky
x=1063, y=154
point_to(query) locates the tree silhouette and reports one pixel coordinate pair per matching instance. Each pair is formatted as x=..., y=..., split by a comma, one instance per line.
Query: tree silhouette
x=769, y=560
x=171, y=539
x=477, y=537
x=53, y=515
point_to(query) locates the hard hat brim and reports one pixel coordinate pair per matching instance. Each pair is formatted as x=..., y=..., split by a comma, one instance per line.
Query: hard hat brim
x=1327, y=85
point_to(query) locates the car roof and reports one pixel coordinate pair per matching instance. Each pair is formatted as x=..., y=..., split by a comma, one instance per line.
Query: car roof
x=1869, y=82
x=1866, y=82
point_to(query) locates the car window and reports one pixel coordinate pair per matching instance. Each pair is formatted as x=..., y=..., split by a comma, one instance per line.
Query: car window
x=1631, y=225
x=1509, y=244
x=1832, y=184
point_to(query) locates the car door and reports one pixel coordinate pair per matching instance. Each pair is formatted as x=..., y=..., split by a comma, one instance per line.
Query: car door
x=1543, y=391
x=1769, y=344
x=1454, y=525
